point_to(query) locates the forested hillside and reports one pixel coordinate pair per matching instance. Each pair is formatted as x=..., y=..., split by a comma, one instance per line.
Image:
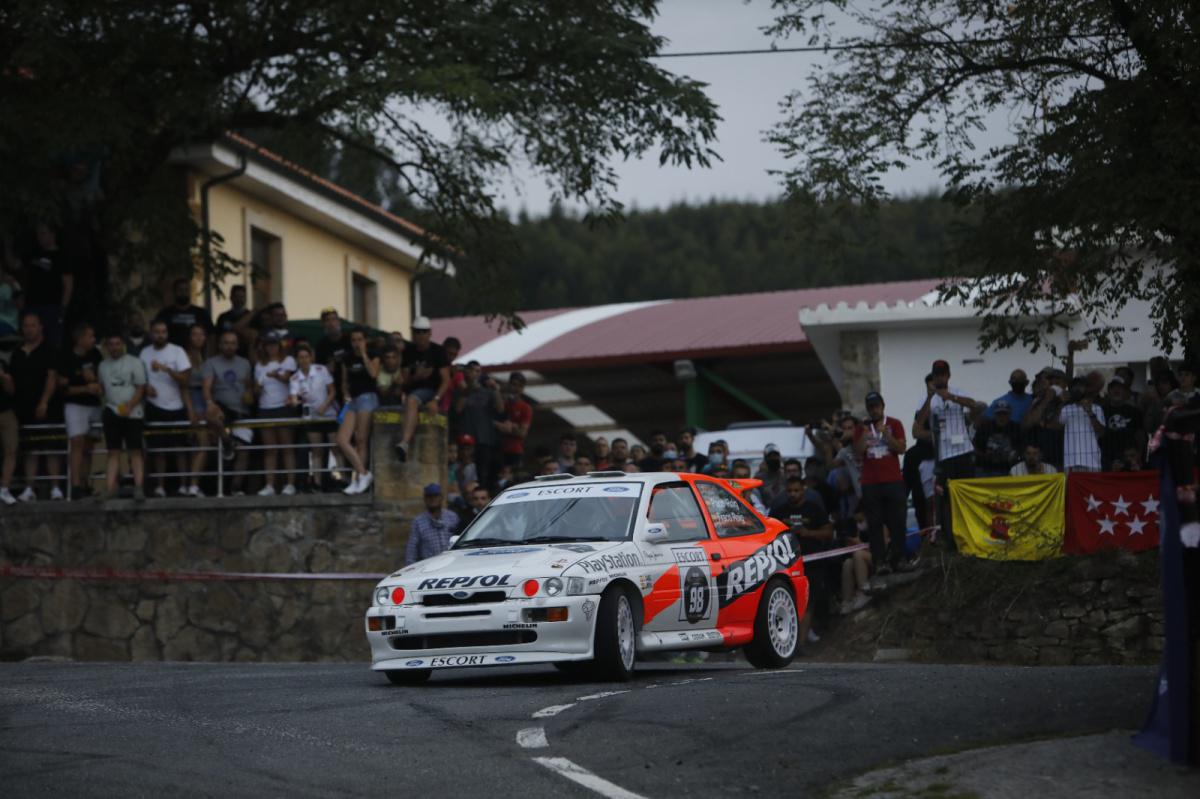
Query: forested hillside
x=716, y=248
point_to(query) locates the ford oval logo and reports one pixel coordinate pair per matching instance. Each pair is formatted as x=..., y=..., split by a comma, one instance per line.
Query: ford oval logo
x=505, y=658
x=414, y=663
x=461, y=594
x=616, y=489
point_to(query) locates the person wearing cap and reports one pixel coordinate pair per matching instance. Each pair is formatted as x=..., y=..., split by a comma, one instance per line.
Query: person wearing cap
x=168, y=402
x=770, y=471
x=1123, y=422
x=949, y=414
x=1039, y=423
x=878, y=444
x=514, y=427
x=465, y=470
x=431, y=530
x=998, y=441
x=1082, y=422
x=1017, y=398
x=426, y=380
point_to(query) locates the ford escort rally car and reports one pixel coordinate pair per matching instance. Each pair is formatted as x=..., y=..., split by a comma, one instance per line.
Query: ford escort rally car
x=588, y=572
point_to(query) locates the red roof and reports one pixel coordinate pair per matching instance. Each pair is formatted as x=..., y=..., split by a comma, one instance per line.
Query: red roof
x=734, y=324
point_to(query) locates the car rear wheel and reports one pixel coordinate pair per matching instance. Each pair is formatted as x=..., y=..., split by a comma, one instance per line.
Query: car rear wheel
x=776, y=628
x=616, y=636
x=408, y=676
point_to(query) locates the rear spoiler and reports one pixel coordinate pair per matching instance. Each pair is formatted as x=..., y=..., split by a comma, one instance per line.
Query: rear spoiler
x=743, y=483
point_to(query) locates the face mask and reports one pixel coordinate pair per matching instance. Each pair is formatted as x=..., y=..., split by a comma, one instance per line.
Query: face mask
x=715, y=458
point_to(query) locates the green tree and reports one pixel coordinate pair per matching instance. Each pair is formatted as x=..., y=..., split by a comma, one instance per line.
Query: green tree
x=1093, y=201
x=446, y=97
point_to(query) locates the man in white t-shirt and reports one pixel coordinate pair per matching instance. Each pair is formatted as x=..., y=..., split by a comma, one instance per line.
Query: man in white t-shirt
x=167, y=402
x=950, y=415
x=1082, y=424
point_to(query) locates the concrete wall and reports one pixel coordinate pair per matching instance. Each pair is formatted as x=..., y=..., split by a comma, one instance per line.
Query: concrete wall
x=254, y=620
x=317, y=265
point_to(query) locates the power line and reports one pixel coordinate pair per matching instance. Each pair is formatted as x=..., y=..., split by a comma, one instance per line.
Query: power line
x=830, y=48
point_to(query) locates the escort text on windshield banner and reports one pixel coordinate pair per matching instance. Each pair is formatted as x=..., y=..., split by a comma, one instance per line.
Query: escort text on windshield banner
x=536, y=493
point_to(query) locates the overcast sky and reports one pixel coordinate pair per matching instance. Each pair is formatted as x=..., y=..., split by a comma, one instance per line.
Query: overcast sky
x=747, y=90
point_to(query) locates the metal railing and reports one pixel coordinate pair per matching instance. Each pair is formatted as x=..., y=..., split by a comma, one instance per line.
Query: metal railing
x=56, y=432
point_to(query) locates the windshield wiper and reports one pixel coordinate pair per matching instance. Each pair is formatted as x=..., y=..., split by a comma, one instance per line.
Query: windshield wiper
x=558, y=539
x=486, y=542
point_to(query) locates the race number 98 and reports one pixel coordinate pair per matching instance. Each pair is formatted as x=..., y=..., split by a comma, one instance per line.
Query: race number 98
x=695, y=594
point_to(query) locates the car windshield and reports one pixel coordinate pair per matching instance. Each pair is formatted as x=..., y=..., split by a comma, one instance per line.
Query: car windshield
x=556, y=514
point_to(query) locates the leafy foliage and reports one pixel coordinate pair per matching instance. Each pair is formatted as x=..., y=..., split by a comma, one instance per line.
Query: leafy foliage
x=447, y=96
x=711, y=249
x=1092, y=203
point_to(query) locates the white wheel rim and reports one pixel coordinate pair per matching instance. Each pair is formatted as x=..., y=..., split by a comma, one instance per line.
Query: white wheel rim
x=782, y=625
x=625, y=631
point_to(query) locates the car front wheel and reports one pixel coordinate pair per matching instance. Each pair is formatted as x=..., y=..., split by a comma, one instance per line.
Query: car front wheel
x=776, y=628
x=616, y=636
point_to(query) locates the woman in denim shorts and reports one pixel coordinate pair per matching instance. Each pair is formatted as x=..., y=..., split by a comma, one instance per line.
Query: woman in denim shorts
x=359, y=376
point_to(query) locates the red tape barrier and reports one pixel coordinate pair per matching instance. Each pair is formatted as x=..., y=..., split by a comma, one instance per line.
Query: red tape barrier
x=57, y=573
x=833, y=553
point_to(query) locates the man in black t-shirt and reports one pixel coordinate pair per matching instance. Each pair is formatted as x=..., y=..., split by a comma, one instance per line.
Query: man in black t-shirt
x=48, y=283
x=334, y=346
x=812, y=527
x=236, y=319
x=182, y=315
x=426, y=379
x=36, y=381
x=79, y=384
x=1124, y=422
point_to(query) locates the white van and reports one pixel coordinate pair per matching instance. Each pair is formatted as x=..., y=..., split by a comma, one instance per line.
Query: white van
x=748, y=439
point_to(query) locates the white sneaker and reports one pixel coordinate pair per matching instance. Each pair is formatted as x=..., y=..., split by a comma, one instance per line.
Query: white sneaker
x=183, y=491
x=813, y=637
x=353, y=487
x=267, y=491
x=56, y=493
x=364, y=482
x=28, y=495
x=6, y=497
x=288, y=490
x=194, y=491
x=159, y=492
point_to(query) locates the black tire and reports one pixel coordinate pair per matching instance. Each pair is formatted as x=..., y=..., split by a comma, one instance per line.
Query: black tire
x=776, y=628
x=616, y=637
x=408, y=676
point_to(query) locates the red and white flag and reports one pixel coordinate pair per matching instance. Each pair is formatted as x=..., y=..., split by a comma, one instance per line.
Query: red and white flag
x=1111, y=510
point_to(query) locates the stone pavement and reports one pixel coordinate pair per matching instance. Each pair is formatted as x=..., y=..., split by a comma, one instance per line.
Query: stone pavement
x=1089, y=766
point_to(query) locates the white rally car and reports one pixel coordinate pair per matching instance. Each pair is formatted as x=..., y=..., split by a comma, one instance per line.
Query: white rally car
x=591, y=571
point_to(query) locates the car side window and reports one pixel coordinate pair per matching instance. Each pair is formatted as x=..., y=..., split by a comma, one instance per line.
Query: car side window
x=673, y=505
x=729, y=516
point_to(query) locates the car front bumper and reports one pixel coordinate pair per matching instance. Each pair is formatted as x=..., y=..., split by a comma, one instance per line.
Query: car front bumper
x=494, y=634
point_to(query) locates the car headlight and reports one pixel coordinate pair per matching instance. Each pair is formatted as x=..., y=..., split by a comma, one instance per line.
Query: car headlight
x=553, y=586
x=575, y=586
x=381, y=595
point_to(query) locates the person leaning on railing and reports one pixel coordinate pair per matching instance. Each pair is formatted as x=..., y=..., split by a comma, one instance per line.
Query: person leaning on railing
x=227, y=396
x=123, y=381
x=311, y=389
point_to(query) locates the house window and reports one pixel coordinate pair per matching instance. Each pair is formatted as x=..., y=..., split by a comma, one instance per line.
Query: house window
x=266, y=267
x=365, y=301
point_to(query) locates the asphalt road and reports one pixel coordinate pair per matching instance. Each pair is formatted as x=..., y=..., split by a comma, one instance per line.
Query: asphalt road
x=81, y=729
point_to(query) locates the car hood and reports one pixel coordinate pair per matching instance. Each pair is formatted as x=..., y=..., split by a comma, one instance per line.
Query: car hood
x=533, y=560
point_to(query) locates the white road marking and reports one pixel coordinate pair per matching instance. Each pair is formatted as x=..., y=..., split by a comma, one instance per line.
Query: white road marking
x=532, y=738
x=600, y=695
x=771, y=672
x=553, y=710
x=581, y=776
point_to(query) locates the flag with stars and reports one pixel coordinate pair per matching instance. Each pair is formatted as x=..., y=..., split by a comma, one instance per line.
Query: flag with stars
x=1111, y=510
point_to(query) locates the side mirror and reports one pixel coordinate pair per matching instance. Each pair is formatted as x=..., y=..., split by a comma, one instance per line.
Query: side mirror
x=454, y=539
x=655, y=534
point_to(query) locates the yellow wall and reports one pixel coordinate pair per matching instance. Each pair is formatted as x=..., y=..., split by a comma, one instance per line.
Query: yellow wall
x=316, y=263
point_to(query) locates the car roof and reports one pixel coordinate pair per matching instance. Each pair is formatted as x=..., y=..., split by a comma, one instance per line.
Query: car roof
x=647, y=478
